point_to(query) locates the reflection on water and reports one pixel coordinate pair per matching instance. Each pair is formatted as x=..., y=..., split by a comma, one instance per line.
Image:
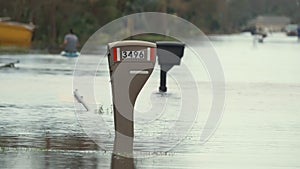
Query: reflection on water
x=48, y=142
x=59, y=152
x=119, y=158
x=118, y=162
x=260, y=128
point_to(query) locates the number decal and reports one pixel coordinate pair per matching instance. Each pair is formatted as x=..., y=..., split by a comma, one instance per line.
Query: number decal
x=129, y=54
x=142, y=54
x=133, y=54
x=124, y=54
x=136, y=54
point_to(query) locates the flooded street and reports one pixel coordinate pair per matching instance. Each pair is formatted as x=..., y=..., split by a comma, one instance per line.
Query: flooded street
x=260, y=127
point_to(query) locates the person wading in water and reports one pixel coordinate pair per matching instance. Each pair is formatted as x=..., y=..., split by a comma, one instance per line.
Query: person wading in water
x=71, y=42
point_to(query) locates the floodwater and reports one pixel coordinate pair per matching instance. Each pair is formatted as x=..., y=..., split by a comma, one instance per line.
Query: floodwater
x=260, y=127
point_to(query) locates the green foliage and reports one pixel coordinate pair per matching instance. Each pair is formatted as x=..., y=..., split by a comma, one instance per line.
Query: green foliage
x=54, y=18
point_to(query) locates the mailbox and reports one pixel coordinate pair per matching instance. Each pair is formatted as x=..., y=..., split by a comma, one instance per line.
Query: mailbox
x=131, y=64
x=169, y=54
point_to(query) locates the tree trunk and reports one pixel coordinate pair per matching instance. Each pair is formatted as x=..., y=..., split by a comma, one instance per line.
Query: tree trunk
x=53, y=31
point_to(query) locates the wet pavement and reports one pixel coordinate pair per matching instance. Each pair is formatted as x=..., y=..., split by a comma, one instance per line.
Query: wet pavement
x=260, y=126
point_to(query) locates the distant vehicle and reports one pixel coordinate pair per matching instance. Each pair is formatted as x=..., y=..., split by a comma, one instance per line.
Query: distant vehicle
x=15, y=33
x=291, y=30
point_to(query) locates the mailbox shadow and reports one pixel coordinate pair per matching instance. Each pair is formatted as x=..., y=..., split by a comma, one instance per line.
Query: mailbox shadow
x=121, y=161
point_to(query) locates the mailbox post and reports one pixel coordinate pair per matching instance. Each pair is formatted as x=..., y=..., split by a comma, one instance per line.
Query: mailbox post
x=131, y=64
x=169, y=54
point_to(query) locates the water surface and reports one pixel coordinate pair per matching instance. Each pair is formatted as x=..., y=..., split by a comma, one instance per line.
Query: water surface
x=260, y=126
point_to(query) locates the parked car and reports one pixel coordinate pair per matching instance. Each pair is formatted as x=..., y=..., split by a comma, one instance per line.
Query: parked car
x=291, y=30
